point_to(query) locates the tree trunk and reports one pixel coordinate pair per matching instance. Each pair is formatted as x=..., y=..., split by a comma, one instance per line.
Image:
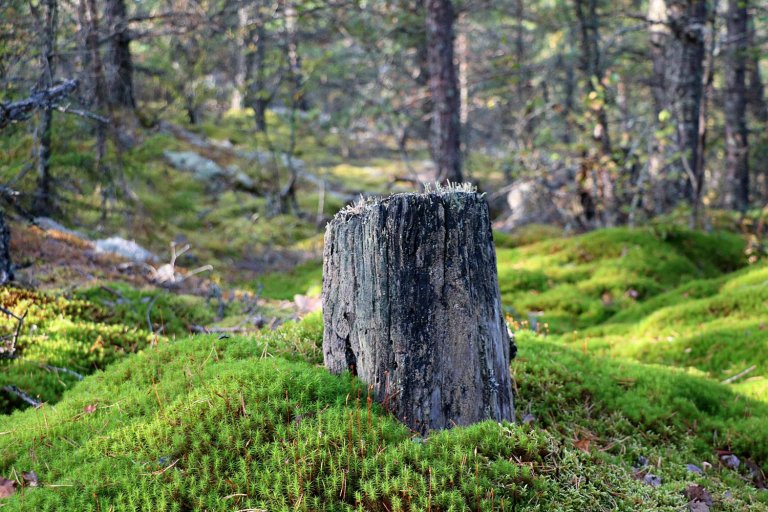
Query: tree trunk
x=736, y=142
x=258, y=97
x=241, y=51
x=756, y=97
x=411, y=306
x=687, y=20
x=43, y=199
x=6, y=268
x=119, y=66
x=290, y=21
x=658, y=197
x=444, y=89
x=592, y=67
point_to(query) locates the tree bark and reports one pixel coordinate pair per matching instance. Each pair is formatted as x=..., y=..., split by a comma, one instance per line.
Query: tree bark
x=411, y=306
x=42, y=203
x=687, y=20
x=756, y=98
x=290, y=22
x=444, y=90
x=241, y=52
x=6, y=267
x=658, y=197
x=736, y=131
x=119, y=66
x=258, y=96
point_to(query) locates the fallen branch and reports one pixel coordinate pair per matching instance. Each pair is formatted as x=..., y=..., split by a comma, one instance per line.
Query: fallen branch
x=13, y=390
x=739, y=375
x=16, y=111
x=57, y=369
x=82, y=113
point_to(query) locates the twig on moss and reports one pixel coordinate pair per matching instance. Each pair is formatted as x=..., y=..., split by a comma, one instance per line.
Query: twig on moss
x=63, y=370
x=739, y=375
x=13, y=390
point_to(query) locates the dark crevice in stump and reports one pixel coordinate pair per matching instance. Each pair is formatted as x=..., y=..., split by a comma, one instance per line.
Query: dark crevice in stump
x=411, y=305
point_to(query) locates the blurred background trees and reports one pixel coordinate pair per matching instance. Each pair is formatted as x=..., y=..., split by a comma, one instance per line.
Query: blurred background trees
x=604, y=112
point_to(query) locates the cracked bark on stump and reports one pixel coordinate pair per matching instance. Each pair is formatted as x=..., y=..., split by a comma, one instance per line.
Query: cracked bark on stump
x=411, y=306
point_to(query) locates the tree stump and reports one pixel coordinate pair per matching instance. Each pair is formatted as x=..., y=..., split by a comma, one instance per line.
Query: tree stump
x=411, y=306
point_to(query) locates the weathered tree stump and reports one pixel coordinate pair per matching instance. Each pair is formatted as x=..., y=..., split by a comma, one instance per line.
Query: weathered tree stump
x=411, y=306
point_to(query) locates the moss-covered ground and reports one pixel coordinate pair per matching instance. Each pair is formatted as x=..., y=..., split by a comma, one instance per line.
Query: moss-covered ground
x=642, y=356
x=609, y=396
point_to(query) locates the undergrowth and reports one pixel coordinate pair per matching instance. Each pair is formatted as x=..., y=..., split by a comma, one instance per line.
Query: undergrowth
x=66, y=338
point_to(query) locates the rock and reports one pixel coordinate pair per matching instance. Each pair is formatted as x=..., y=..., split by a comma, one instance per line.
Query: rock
x=699, y=500
x=127, y=249
x=208, y=171
x=693, y=468
x=730, y=460
x=527, y=202
x=306, y=304
x=48, y=224
x=202, y=168
x=652, y=480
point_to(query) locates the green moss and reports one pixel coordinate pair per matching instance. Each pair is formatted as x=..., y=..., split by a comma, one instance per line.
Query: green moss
x=170, y=314
x=65, y=337
x=526, y=235
x=585, y=280
x=201, y=423
x=304, y=279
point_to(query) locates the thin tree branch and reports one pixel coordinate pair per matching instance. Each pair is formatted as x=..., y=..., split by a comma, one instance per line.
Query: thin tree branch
x=16, y=111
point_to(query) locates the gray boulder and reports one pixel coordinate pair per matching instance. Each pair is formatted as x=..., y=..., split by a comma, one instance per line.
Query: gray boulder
x=127, y=249
x=527, y=202
x=203, y=169
x=48, y=224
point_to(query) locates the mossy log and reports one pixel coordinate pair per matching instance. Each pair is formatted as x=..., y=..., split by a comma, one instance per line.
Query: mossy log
x=411, y=306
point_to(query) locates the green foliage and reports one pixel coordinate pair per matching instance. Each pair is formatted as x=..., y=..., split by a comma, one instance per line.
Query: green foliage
x=526, y=235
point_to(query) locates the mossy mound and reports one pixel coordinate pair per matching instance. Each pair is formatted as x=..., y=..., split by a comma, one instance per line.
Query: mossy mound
x=578, y=282
x=253, y=423
x=717, y=326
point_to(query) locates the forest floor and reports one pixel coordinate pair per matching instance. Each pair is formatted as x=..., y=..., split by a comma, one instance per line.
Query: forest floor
x=641, y=379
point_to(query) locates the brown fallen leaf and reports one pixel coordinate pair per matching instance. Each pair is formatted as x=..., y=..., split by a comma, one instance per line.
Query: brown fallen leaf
x=582, y=444
x=7, y=487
